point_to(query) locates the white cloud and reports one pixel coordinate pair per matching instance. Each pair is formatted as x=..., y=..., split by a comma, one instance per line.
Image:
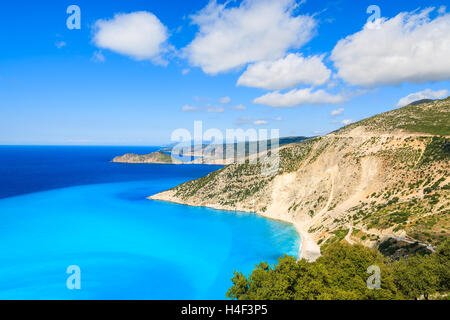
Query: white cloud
x=242, y=121
x=207, y=108
x=285, y=73
x=260, y=122
x=215, y=110
x=278, y=119
x=60, y=44
x=346, y=122
x=185, y=71
x=139, y=35
x=256, y=30
x=98, y=57
x=188, y=108
x=410, y=47
x=425, y=94
x=297, y=97
x=201, y=99
x=336, y=112
x=239, y=107
x=225, y=100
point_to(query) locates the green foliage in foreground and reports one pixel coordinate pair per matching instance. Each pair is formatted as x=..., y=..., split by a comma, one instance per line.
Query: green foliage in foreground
x=341, y=274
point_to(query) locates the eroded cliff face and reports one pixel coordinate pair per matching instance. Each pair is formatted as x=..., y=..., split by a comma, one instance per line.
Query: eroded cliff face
x=359, y=184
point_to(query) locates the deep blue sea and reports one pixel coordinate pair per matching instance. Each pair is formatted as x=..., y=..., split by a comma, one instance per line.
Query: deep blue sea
x=63, y=206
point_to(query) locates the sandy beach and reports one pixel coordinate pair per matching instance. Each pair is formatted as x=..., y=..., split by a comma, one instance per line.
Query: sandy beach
x=309, y=249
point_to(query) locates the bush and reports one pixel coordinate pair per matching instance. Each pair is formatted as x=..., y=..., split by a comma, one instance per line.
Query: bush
x=341, y=274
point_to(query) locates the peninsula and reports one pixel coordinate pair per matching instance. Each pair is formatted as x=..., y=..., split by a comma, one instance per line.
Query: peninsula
x=154, y=157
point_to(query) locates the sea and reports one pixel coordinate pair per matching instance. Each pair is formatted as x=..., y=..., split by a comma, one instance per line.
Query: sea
x=74, y=225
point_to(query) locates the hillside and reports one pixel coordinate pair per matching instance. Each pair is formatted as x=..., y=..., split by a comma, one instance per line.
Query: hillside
x=427, y=118
x=383, y=181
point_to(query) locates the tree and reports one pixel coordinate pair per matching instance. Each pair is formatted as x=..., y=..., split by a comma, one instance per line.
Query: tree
x=339, y=274
x=422, y=276
x=417, y=276
x=348, y=264
x=442, y=260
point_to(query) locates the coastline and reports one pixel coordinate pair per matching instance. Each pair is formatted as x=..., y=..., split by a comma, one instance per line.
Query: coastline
x=308, y=248
x=170, y=163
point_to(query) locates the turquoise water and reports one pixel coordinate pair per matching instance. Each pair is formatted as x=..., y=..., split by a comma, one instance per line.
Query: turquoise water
x=127, y=247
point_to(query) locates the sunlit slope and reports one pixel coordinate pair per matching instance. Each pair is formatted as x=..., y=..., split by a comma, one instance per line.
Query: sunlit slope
x=386, y=176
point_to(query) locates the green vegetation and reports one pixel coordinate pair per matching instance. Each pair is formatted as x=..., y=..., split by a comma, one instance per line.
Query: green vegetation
x=190, y=188
x=396, y=249
x=401, y=158
x=412, y=214
x=409, y=191
x=432, y=118
x=154, y=157
x=243, y=181
x=163, y=157
x=293, y=156
x=438, y=149
x=423, y=276
x=338, y=235
x=341, y=274
x=248, y=148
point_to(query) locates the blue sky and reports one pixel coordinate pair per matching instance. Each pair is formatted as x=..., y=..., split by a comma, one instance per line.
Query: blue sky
x=94, y=86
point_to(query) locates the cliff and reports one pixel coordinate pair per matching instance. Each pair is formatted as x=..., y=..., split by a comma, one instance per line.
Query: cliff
x=386, y=177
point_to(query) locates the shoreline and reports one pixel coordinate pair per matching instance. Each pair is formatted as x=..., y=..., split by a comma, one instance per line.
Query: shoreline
x=171, y=163
x=308, y=248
